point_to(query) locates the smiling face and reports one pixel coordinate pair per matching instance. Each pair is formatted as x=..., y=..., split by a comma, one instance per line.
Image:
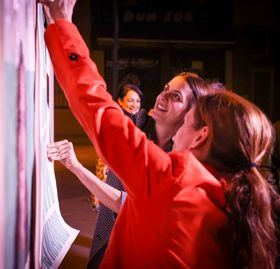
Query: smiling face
x=131, y=102
x=172, y=103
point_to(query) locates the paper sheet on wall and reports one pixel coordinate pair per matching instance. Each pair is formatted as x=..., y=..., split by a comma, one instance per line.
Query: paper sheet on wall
x=55, y=236
x=2, y=220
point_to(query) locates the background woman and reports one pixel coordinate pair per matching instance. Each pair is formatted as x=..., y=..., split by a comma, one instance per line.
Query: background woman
x=130, y=98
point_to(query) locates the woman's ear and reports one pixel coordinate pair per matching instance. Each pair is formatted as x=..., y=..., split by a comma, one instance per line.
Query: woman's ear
x=200, y=137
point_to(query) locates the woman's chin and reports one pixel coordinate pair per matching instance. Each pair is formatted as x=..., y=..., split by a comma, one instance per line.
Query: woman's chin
x=155, y=115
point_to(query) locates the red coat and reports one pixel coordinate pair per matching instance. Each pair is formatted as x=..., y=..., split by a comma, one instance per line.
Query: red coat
x=174, y=215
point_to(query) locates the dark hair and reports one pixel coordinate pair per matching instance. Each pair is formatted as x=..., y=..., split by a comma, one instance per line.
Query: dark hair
x=197, y=85
x=125, y=88
x=240, y=135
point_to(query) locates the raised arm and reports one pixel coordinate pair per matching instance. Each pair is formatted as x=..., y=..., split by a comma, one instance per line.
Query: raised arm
x=122, y=146
x=63, y=152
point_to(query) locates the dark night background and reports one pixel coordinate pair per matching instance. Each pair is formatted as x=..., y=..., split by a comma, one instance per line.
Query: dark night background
x=234, y=42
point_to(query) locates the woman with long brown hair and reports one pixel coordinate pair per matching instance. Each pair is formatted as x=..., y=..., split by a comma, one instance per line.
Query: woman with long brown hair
x=240, y=137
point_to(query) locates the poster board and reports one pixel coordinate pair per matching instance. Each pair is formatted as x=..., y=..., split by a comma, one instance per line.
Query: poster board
x=28, y=193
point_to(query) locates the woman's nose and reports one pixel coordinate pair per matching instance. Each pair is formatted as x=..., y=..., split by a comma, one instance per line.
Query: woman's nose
x=133, y=104
x=164, y=96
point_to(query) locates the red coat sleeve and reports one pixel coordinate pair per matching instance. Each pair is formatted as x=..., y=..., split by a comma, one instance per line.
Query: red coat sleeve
x=138, y=162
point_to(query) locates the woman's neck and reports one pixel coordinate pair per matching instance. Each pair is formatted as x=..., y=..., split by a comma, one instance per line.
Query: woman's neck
x=164, y=134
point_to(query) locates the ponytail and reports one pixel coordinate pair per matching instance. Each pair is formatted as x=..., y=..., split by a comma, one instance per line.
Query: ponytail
x=251, y=206
x=239, y=134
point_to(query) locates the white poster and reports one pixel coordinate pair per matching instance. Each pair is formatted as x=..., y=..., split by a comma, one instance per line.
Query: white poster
x=54, y=236
x=2, y=197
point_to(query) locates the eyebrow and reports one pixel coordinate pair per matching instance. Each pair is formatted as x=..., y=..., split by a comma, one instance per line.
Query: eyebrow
x=167, y=86
x=177, y=91
x=173, y=90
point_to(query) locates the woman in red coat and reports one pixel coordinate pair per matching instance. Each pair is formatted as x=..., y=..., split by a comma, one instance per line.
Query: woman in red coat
x=205, y=205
